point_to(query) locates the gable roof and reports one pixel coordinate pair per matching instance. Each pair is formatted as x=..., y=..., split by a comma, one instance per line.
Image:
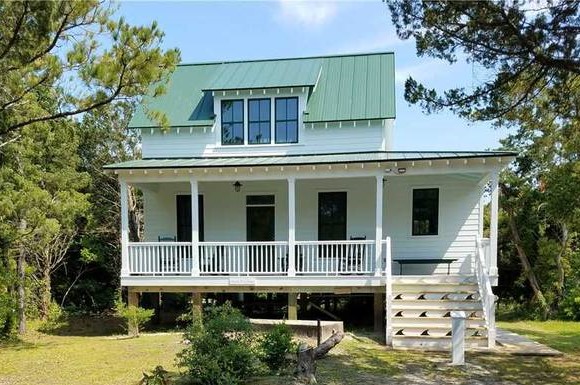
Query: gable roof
x=342, y=88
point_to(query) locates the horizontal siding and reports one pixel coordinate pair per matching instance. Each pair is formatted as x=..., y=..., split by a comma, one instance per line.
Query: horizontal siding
x=458, y=222
x=311, y=141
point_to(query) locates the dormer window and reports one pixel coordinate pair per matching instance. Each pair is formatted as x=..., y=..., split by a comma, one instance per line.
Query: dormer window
x=287, y=120
x=259, y=121
x=232, y=122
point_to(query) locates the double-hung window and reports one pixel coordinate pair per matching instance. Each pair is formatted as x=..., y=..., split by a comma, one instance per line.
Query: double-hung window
x=425, y=211
x=232, y=122
x=287, y=120
x=259, y=121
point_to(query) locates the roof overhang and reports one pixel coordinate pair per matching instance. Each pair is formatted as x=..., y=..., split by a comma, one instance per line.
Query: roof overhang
x=320, y=165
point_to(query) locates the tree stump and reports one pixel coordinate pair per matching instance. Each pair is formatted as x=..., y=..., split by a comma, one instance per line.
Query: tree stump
x=307, y=356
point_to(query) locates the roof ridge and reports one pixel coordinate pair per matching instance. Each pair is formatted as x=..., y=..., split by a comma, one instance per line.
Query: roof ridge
x=287, y=58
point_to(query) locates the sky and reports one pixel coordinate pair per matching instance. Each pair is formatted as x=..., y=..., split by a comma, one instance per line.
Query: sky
x=239, y=30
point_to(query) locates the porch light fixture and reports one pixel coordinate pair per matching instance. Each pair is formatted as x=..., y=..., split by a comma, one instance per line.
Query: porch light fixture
x=396, y=171
x=237, y=186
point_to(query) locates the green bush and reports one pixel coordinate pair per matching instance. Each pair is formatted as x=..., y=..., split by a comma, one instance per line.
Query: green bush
x=220, y=350
x=276, y=345
x=135, y=316
x=157, y=377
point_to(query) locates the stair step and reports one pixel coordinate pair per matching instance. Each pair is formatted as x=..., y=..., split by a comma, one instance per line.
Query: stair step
x=430, y=331
x=434, y=343
x=434, y=279
x=432, y=313
x=434, y=322
x=429, y=295
x=423, y=304
x=434, y=288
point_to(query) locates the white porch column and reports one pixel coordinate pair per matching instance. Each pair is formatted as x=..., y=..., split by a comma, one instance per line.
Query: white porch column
x=194, y=228
x=124, y=228
x=493, y=224
x=378, y=223
x=291, y=227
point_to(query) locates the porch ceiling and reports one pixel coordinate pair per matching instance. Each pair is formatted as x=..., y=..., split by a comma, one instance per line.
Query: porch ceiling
x=311, y=159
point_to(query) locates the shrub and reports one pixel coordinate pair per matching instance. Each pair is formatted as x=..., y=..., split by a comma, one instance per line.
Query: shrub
x=276, y=345
x=157, y=377
x=220, y=350
x=135, y=316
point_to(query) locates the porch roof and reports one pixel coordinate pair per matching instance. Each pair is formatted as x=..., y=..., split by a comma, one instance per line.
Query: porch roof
x=307, y=159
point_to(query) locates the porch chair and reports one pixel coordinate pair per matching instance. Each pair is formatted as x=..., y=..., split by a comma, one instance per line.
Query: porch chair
x=354, y=259
x=163, y=261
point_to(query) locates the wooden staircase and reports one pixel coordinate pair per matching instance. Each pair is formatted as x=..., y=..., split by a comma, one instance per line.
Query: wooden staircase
x=422, y=306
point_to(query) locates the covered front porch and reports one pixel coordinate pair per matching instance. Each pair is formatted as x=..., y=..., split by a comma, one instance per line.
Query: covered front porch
x=326, y=220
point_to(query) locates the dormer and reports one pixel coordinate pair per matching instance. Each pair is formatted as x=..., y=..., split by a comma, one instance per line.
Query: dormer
x=274, y=107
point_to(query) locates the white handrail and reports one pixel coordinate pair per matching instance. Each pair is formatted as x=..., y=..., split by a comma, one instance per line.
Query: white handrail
x=485, y=292
x=388, y=292
x=243, y=258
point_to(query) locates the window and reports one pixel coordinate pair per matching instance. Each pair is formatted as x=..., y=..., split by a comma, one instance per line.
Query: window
x=425, y=211
x=259, y=121
x=287, y=120
x=232, y=122
x=331, y=216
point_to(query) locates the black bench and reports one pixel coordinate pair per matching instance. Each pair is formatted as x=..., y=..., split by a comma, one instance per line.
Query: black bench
x=424, y=261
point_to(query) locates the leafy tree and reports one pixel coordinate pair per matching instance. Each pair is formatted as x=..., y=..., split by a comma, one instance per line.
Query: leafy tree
x=79, y=47
x=59, y=60
x=530, y=54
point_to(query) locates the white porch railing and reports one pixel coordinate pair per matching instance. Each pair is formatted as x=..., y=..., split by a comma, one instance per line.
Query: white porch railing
x=485, y=292
x=335, y=257
x=243, y=258
x=323, y=258
x=160, y=258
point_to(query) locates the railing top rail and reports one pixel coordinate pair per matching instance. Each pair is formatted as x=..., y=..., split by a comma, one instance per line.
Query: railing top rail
x=345, y=242
x=159, y=243
x=244, y=243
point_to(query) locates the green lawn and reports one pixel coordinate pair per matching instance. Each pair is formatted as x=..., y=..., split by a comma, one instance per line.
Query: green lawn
x=71, y=359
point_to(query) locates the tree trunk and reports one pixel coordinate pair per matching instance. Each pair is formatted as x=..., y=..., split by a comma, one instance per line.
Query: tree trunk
x=560, y=267
x=21, y=273
x=45, y=295
x=307, y=356
x=528, y=272
x=134, y=216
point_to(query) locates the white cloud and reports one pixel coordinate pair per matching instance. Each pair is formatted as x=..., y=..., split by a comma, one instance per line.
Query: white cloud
x=306, y=13
x=425, y=70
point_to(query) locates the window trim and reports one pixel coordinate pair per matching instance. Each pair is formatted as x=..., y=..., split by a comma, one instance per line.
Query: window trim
x=286, y=120
x=438, y=229
x=248, y=100
x=233, y=121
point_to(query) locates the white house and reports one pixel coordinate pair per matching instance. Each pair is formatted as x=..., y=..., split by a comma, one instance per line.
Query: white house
x=280, y=176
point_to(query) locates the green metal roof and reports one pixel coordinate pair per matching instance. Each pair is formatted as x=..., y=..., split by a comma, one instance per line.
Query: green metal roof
x=343, y=87
x=265, y=74
x=296, y=160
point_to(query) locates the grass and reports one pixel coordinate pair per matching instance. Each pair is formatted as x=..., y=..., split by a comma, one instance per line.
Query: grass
x=81, y=354
x=70, y=359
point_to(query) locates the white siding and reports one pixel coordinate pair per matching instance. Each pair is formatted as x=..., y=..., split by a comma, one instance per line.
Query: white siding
x=311, y=141
x=458, y=221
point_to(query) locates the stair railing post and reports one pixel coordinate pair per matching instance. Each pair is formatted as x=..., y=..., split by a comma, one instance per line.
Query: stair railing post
x=388, y=294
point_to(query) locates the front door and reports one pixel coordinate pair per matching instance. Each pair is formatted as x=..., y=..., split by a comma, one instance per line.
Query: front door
x=260, y=227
